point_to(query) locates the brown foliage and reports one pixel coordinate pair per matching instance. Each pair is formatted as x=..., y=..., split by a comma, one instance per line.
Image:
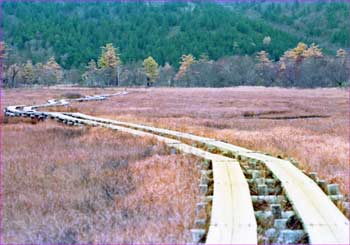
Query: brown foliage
x=310, y=125
x=234, y=115
x=89, y=185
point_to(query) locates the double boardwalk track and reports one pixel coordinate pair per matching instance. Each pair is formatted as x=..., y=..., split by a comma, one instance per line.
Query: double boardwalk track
x=322, y=220
x=231, y=191
x=243, y=180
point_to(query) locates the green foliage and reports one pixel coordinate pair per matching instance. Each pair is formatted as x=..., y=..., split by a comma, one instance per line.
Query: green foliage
x=226, y=39
x=74, y=32
x=151, y=69
x=109, y=57
x=318, y=21
x=28, y=72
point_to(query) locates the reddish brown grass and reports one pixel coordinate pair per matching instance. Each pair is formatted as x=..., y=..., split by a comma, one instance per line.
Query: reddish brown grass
x=88, y=185
x=238, y=115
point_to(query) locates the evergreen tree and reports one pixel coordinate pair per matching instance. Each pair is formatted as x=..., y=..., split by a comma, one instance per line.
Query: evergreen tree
x=11, y=75
x=185, y=63
x=55, y=67
x=297, y=54
x=264, y=68
x=151, y=69
x=167, y=74
x=52, y=72
x=263, y=57
x=203, y=58
x=341, y=62
x=109, y=57
x=90, y=76
x=313, y=52
x=28, y=72
x=109, y=62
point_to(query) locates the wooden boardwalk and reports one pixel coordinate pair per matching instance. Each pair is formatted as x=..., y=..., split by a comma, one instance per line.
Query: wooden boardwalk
x=232, y=218
x=323, y=221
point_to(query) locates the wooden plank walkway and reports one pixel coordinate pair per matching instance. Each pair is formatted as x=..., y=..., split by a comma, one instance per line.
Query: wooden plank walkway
x=322, y=220
x=230, y=222
x=232, y=219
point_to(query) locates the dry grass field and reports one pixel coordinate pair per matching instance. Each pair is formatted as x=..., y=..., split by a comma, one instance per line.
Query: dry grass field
x=63, y=185
x=311, y=126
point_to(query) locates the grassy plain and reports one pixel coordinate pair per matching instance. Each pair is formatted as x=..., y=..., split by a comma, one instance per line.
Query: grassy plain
x=55, y=168
x=88, y=185
x=309, y=125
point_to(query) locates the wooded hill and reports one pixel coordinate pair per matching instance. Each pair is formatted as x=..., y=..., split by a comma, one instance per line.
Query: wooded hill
x=74, y=32
x=175, y=44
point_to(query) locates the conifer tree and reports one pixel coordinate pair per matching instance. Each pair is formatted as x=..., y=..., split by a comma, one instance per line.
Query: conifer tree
x=13, y=71
x=263, y=57
x=151, y=69
x=264, y=67
x=185, y=63
x=341, y=60
x=28, y=72
x=297, y=54
x=110, y=62
x=109, y=57
x=89, y=76
x=53, y=68
x=203, y=58
x=313, y=52
x=92, y=66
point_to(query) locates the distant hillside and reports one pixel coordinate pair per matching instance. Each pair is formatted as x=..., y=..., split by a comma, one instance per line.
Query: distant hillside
x=74, y=32
x=327, y=24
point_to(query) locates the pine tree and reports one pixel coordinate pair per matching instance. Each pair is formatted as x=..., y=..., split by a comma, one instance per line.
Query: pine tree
x=185, y=63
x=297, y=54
x=110, y=62
x=12, y=73
x=341, y=60
x=168, y=74
x=28, y=72
x=53, y=70
x=90, y=74
x=109, y=57
x=263, y=67
x=203, y=58
x=313, y=52
x=151, y=69
x=263, y=57
x=4, y=51
x=92, y=66
x=4, y=55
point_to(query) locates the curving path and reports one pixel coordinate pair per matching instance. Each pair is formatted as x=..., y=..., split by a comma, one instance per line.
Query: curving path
x=233, y=219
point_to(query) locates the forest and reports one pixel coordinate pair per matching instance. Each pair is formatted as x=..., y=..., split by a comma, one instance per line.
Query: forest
x=63, y=42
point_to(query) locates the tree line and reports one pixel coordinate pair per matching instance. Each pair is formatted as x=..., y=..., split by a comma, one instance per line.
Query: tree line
x=303, y=66
x=173, y=44
x=73, y=32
